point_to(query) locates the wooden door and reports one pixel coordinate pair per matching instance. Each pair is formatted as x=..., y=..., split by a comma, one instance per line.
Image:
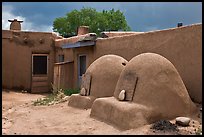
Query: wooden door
x=40, y=73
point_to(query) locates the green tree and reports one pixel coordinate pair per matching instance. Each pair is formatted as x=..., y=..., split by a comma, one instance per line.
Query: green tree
x=97, y=21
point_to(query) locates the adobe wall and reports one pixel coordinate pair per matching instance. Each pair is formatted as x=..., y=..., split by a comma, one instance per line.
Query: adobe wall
x=68, y=54
x=116, y=33
x=182, y=46
x=17, y=56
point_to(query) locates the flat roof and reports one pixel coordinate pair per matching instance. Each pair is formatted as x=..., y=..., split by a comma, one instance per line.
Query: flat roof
x=79, y=44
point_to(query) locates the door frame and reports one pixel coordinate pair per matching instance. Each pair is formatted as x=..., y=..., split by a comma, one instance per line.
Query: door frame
x=78, y=68
x=40, y=54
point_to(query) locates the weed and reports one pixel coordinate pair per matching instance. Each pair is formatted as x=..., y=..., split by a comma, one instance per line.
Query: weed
x=57, y=96
x=44, y=101
x=69, y=92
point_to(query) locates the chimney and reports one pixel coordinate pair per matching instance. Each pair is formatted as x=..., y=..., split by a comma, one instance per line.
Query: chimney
x=15, y=24
x=179, y=24
x=82, y=30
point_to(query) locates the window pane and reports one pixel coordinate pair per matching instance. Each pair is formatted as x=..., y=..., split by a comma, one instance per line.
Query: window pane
x=61, y=58
x=39, y=64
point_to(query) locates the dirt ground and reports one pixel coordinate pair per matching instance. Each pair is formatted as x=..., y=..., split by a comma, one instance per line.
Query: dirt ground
x=20, y=117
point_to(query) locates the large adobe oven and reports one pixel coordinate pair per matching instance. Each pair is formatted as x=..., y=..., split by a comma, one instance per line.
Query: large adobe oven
x=99, y=80
x=148, y=89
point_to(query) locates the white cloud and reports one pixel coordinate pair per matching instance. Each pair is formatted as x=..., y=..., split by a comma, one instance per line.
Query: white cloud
x=27, y=25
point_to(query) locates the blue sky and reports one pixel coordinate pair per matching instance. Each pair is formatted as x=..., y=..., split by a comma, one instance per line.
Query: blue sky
x=140, y=16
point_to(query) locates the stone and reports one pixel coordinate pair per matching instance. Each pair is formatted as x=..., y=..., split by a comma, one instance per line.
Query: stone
x=5, y=118
x=24, y=91
x=83, y=92
x=122, y=95
x=7, y=125
x=86, y=82
x=10, y=111
x=183, y=121
x=66, y=98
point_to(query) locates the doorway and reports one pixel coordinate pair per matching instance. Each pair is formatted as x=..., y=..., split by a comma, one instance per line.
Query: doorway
x=81, y=68
x=40, y=73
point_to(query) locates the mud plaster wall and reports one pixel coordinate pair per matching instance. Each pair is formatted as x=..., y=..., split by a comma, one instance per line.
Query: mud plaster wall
x=113, y=34
x=182, y=46
x=68, y=54
x=17, y=57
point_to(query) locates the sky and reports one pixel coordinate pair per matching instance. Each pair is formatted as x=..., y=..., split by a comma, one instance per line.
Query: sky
x=140, y=16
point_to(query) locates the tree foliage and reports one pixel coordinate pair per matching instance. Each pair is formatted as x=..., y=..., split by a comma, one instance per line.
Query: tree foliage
x=97, y=21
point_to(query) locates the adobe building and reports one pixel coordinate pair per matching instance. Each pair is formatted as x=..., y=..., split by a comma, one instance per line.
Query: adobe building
x=180, y=45
x=27, y=59
x=68, y=58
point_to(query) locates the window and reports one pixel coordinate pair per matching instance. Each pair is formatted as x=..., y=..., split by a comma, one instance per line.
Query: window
x=39, y=64
x=61, y=58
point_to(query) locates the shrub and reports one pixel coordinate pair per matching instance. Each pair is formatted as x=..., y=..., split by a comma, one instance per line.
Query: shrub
x=69, y=92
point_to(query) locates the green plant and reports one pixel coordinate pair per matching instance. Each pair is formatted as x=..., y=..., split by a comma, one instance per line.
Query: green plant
x=69, y=92
x=44, y=101
x=106, y=20
x=57, y=96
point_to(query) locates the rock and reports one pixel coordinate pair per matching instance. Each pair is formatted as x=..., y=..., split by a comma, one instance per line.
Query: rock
x=5, y=118
x=90, y=127
x=66, y=98
x=122, y=95
x=51, y=103
x=83, y=92
x=183, y=121
x=7, y=125
x=10, y=111
x=4, y=131
x=24, y=91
